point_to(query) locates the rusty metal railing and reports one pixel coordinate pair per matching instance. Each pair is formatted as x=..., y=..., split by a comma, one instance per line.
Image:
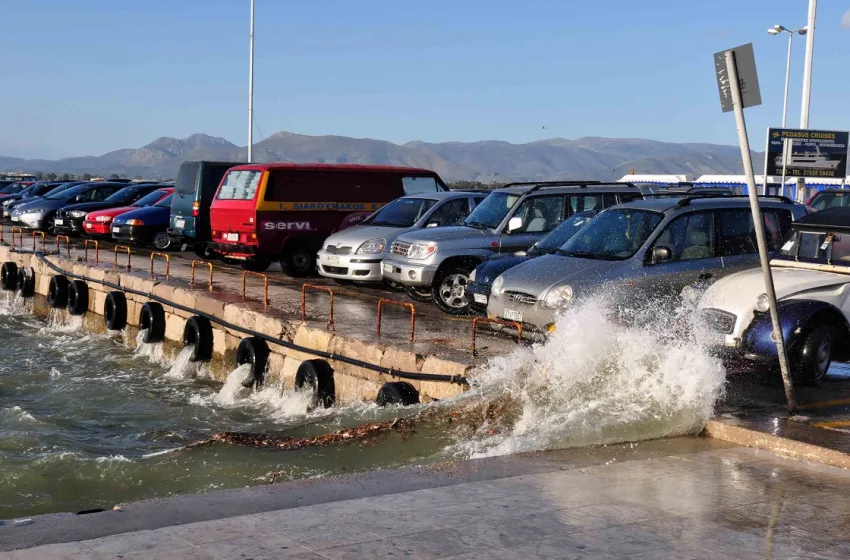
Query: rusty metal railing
x=207, y=263
x=330, y=292
x=410, y=306
x=478, y=320
x=34, y=235
x=167, y=258
x=123, y=248
x=86, y=243
x=67, y=244
x=20, y=231
x=246, y=274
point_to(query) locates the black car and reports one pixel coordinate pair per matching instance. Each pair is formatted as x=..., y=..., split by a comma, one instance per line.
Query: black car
x=481, y=279
x=69, y=219
x=830, y=198
x=41, y=212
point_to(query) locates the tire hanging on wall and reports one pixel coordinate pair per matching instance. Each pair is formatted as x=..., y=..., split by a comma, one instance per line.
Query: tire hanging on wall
x=57, y=291
x=78, y=297
x=397, y=393
x=254, y=351
x=317, y=376
x=26, y=281
x=199, y=333
x=152, y=321
x=9, y=276
x=115, y=311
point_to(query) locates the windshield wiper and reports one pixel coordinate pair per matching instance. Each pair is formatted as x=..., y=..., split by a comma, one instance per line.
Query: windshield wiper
x=476, y=225
x=587, y=255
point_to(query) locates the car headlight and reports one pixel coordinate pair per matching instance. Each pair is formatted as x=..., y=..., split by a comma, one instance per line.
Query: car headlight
x=372, y=247
x=763, y=303
x=103, y=219
x=421, y=250
x=496, y=289
x=559, y=297
x=134, y=223
x=77, y=213
x=472, y=275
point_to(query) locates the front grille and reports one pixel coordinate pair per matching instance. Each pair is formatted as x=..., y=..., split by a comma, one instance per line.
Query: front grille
x=719, y=321
x=335, y=269
x=400, y=248
x=520, y=297
x=334, y=250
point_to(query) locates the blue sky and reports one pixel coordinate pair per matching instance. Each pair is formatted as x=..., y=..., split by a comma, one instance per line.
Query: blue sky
x=90, y=76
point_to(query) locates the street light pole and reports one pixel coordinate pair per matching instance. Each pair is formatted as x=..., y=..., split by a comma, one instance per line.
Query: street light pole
x=251, y=90
x=787, y=79
x=807, y=65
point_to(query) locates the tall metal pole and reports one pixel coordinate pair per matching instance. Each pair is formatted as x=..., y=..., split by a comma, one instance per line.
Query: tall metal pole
x=787, y=78
x=807, y=65
x=251, y=91
x=758, y=223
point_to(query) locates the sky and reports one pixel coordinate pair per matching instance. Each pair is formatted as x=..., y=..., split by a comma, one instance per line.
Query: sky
x=91, y=76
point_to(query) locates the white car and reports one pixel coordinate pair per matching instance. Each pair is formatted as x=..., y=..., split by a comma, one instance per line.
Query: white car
x=811, y=273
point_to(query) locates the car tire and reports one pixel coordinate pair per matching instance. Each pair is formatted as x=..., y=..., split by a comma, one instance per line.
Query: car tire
x=256, y=265
x=815, y=356
x=298, y=260
x=418, y=293
x=449, y=289
x=161, y=241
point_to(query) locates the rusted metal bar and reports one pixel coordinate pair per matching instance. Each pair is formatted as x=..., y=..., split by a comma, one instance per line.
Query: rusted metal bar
x=167, y=258
x=14, y=231
x=86, y=243
x=410, y=306
x=304, y=289
x=478, y=320
x=122, y=248
x=34, y=235
x=196, y=263
x=67, y=244
x=246, y=274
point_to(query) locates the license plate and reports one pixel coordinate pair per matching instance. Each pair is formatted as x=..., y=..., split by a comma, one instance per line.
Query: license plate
x=116, y=230
x=88, y=225
x=512, y=315
x=388, y=268
x=180, y=223
x=479, y=298
x=231, y=236
x=58, y=222
x=332, y=259
x=715, y=339
x=15, y=218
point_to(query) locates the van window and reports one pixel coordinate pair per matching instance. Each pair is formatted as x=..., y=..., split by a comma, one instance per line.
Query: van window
x=738, y=237
x=186, y=178
x=239, y=185
x=417, y=185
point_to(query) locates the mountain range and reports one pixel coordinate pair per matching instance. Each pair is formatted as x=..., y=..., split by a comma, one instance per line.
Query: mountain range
x=489, y=161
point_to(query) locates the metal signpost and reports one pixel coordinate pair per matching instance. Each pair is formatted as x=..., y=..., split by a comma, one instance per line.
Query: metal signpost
x=737, y=82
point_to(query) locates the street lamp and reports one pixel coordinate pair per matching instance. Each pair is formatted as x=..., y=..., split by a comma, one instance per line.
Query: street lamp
x=776, y=30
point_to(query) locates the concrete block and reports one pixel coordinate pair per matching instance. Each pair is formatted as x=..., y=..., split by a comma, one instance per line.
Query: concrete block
x=209, y=305
x=174, y=325
x=402, y=360
x=42, y=284
x=231, y=342
x=184, y=297
x=163, y=290
x=316, y=339
x=270, y=326
x=134, y=308
x=274, y=372
x=350, y=389
x=96, y=301
x=290, y=368
x=437, y=390
x=219, y=342
x=240, y=316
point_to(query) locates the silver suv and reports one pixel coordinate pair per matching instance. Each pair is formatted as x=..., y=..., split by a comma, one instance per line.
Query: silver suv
x=641, y=254
x=356, y=253
x=434, y=264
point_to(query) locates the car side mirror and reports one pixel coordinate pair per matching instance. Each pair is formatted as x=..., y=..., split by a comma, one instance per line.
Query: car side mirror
x=661, y=255
x=514, y=224
x=432, y=224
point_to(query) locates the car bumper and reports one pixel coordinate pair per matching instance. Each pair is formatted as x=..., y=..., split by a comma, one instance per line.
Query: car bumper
x=234, y=250
x=68, y=225
x=358, y=268
x=97, y=228
x=132, y=234
x=408, y=274
x=532, y=317
x=30, y=221
x=479, y=296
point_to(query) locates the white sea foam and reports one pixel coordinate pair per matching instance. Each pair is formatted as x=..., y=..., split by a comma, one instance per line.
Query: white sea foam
x=183, y=368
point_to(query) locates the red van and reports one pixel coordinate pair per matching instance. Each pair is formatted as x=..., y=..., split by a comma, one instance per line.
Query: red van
x=284, y=211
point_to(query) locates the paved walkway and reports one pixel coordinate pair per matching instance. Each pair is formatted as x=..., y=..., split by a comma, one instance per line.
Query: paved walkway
x=719, y=503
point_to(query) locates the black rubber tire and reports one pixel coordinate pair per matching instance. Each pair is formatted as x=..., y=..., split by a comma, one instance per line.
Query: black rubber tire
x=253, y=350
x=57, y=291
x=298, y=260
x=461, y=270
x=152, y=320
x=420, y=294
x=256, y=265
x=397, y=393
x=811, y=364
x=78, y=297
x=317, y=376
x=26, y=281
x=161, y=241
x=115, y=311
x=9, y=276
x=198, y=332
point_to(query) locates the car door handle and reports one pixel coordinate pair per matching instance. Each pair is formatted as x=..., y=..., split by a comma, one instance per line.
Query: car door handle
x=706, y=276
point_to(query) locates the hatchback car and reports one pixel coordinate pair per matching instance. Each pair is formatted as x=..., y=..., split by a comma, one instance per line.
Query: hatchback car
x=641, y=255
x=100, y=222
x=145, y=226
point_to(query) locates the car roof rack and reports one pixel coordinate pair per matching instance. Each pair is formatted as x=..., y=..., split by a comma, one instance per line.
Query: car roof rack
x=686, y=201
x=540, y=184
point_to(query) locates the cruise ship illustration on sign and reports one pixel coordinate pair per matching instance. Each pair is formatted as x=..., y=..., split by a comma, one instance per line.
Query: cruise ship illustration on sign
x=808, y=160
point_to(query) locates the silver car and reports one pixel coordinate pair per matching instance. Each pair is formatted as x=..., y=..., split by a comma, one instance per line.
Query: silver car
x=640, y=254
x=356, y=253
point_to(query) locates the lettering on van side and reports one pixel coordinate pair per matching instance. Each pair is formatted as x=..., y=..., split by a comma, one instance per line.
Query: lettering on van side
x=288, y=226
x=332, y=206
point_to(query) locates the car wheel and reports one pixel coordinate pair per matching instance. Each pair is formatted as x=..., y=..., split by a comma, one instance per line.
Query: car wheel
x=161, y=241
x=449, y=290
x=298, y=261
x=815, y=356
x=419, y=293
x=256, y=265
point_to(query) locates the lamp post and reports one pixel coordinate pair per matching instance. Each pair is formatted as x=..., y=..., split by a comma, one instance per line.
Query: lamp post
x=251, y=89
x=777, y=30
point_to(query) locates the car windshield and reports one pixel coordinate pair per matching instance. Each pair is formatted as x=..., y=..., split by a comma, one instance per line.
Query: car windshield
x=165, y=202
x=492, y=210
x=615, y=234
x=402, y=212
x=819, y=247
x=149, y=199
x=823, y=201
x=67, y=193
x=563, y=232
x=12, y=189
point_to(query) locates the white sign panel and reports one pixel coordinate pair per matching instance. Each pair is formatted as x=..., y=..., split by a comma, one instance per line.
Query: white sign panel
x=745, y=60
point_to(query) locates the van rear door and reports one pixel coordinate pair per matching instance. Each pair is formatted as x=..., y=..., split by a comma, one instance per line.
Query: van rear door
x=234, y=211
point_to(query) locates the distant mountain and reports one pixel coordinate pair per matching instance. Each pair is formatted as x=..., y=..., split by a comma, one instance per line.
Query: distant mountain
x=487, y=161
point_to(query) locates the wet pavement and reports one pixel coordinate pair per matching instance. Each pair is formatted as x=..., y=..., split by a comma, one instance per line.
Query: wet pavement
x=686, y=498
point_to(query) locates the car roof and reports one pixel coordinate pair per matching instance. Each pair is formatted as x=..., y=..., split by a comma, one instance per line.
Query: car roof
x=557, y=187
x=826, y=219
x=333, y=167
x=832, y=191
x=663, y=204
x=440, y=195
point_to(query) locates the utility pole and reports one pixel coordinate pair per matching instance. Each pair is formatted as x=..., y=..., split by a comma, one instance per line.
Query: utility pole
x=807, y=85
x=251, y=90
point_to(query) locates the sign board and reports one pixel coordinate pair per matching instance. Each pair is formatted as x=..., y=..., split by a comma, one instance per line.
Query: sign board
x=745, y=60
x=812, y=153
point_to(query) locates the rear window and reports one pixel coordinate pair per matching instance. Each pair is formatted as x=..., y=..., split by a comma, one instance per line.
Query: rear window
x=186, y=178
x=150, y=198
x=166, y=202
x=418, y=185
x=239, y=185
x=67, y=193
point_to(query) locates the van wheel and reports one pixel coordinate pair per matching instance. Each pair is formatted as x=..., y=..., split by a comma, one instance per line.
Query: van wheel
x=449, y=289
x=419, y=293
x=298, y=261
x=256, y=265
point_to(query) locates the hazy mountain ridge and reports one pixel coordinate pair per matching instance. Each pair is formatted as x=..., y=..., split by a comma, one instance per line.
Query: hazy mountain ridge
x=487, y=161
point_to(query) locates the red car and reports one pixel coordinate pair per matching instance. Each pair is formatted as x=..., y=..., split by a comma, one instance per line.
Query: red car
x=99, y=222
